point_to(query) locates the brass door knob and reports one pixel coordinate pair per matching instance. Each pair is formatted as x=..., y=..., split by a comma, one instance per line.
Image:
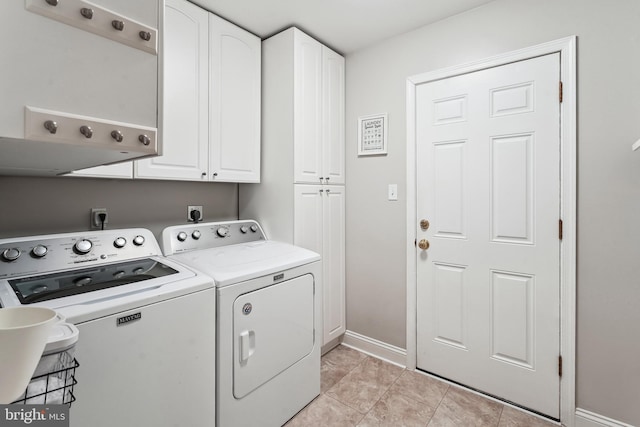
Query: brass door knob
x=423, y=244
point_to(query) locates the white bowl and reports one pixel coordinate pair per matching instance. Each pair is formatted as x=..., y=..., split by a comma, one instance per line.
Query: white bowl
x=23, y=334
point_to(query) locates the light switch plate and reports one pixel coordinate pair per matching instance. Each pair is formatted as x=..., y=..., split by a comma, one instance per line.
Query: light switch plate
x=393, y=191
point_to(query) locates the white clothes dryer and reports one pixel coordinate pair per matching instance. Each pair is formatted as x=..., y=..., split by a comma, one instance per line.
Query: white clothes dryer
x=268, y=318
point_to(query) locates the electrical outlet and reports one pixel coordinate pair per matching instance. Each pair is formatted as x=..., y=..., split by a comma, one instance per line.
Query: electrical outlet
x=198, y=218
x=96, y=222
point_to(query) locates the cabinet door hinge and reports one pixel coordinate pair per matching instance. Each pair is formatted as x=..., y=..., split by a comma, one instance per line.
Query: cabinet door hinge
x=560, y=366
x=560, y=229
x=560, y=92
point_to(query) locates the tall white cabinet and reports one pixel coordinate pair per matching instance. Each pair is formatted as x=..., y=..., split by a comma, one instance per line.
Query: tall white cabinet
x=319, y=222
x=301, y=196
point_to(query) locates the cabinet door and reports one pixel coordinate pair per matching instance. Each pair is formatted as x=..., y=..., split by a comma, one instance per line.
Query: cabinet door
x=332, y=116
x=184, y=118
x=333, y=262
x=307, y=228
x=234, y=103
x=307, y=129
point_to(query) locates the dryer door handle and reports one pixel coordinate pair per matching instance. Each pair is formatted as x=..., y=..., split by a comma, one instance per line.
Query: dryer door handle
x=247, y=345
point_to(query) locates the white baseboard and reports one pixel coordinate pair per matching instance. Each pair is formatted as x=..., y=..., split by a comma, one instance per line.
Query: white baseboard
x=590, y=419
x=375, y=348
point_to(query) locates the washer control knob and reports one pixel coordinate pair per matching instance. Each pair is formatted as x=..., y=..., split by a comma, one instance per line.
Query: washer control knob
x=11, y=254
x=196, y=234
x=223, y=231
x=244, y=229
x=254, y=228
x=82, y=247
x=82, y=281
x=120, y=242
x=138, y=240
x=39, y=251
x=182, y=236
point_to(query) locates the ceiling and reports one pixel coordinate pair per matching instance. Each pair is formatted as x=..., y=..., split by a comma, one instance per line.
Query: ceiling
x=344, y=25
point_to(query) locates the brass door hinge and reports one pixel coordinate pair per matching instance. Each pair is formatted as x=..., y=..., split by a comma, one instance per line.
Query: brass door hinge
x=560, y=92
x=560, y=229
x=560, y=366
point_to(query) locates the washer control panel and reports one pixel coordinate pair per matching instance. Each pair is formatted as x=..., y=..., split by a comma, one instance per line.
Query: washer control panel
x=205, y=235
x=23, y=256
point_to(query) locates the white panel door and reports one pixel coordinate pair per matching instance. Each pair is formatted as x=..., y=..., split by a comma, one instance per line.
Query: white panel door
x=234, y=102
x=332, y=117
x=488, y=182
x=333, y=262
x=184, y=126
x=307, y=128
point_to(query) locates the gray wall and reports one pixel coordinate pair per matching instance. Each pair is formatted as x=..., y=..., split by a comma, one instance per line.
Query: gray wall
x=33, y=205
x=608, y=347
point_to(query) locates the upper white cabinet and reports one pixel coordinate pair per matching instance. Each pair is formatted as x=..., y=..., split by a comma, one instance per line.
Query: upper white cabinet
x=234, y=102
x=319, y=105
x=70, y=80
x=333, y=116
x=307, y=99
x=184, y=119
x=211, y=100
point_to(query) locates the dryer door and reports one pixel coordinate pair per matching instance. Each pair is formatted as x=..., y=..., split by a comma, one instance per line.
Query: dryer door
x=273, y=329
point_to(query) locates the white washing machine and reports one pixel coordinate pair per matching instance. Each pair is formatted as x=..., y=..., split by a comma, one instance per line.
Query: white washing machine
x=268, y=319
x=146, y=324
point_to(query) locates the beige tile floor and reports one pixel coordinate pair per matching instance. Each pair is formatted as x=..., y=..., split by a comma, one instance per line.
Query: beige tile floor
x=359, y=390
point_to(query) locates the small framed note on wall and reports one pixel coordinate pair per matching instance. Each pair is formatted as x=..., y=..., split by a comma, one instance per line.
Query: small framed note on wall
x=372, y=134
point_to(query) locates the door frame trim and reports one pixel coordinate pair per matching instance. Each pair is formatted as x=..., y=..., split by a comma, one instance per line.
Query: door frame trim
x=568, y=175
